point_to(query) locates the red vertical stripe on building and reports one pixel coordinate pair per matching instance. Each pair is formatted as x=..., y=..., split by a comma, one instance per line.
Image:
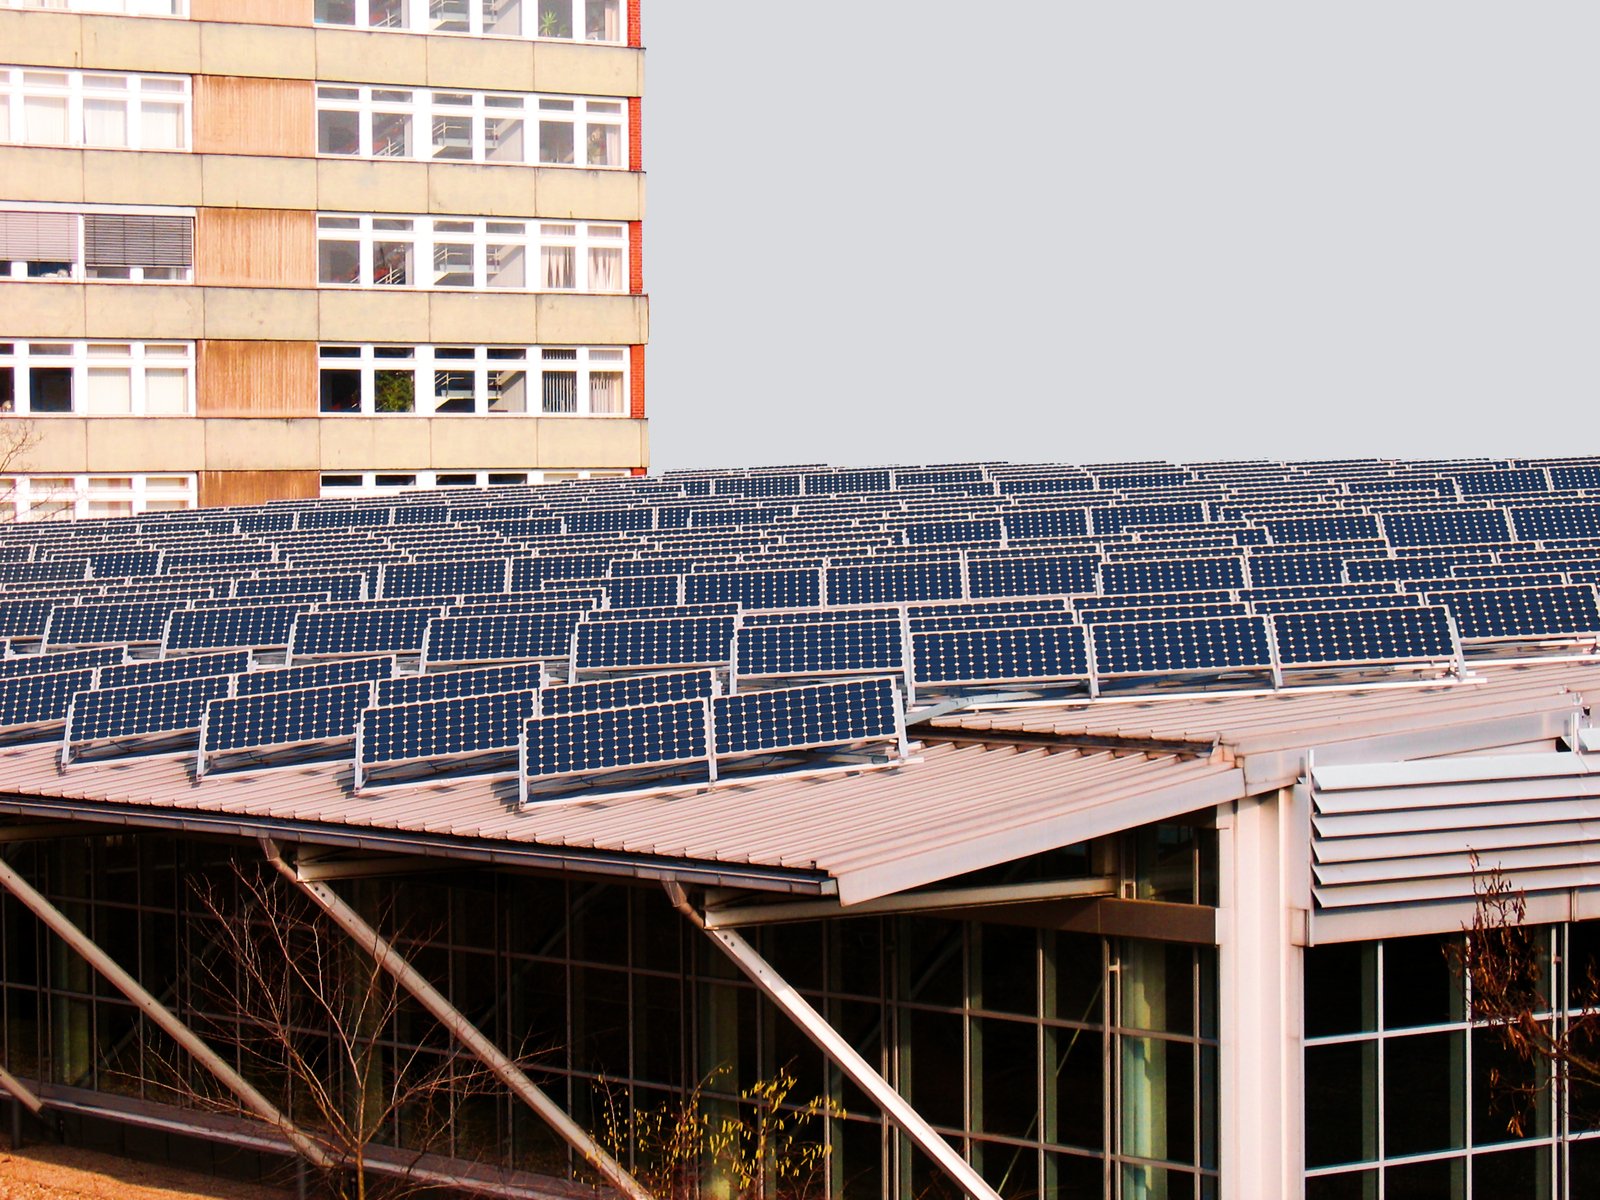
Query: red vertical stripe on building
x=636, y=372
x=636, y=257
x=635, y=134
x=634, y=38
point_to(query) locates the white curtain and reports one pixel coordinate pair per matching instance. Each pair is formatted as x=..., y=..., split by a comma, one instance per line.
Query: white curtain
x=166, y=391
x=161, y=126
x=605, y=145
x=559, y=267
x=605, y=269
x=110, y=390
x=105, y=122
x=604, y=23
x=605, y=392
x=45, y=119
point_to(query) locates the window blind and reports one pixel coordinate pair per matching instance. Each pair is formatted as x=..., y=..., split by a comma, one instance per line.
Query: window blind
x=128, y=241
x=38, y=237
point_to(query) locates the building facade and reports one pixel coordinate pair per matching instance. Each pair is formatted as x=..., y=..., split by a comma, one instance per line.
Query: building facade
x=253, y=249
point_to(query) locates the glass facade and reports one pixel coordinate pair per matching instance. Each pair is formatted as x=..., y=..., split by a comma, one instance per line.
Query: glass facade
x=1405, y=1098
x=1063, y=1064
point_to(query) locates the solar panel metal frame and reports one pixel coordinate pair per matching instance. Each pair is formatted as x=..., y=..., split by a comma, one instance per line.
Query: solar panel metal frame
x=365, y=669
x=252, y=613
x=556, y=699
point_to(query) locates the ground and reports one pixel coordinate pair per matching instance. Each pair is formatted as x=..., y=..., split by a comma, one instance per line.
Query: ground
x=47, y=1172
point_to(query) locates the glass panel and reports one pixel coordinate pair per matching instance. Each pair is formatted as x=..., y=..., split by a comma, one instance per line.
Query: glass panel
x=1341, y=1104
x=391, y=135
x=452, y=264
x=1444, y=1180
x=110, y=391
x=502, y=17
x=1078, y=1075
x=605, y=269
x=1418, y=988
x=930, y=1061
x=450, y=16
x=386, y=14
x=44, y=119
x=605, y=145
x=166, y=392
x=161, y=126
x=603, y=20
x=8, y=389
x=339, y=262
x=391, y=264
x=50, y=389
x=1158, y=986
x=1158, y=1099
x=508, y=391
x=558, y=267
x=555, y=141
x=394, y=391
x=452, y=137
x=105, y=122
x=554, y=19
x=1424, y=1084
x=605, y=393
x=507, y=265
x=1515, y=1175
x=338, y=133
x=502, y=140
x=1510, y=1098
x=336, y=12
x=341, y=391
x=452, y=391
x=560, y=392
x=1341, y=989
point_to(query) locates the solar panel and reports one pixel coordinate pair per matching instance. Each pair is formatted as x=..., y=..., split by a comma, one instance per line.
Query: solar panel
x=1414, y=567
x=1557, y=521
x=1170, y=647
x=1046, y=523
x=349, y=670
x=1445, y=527
x=104, y=624
x=329, y=634
x=1163, y=612
x=662, y=613
x=628, y=691
x=1346, y=528
x=24, y=618
x=115, y=564
x=1032, y=654
x=66, y=660
x=258, y=627
x=820, y=648
x=1172, y=575
x=502, y=637
x=797, y=588
x=643, y=591
x=892, y=581
x=270, y=722
x=816, y=716
x=31, y=701
x=158, y=670
x=1331, y=603
x=802, y=616
x=172, y=706
x=1522, y=612
x=972, y=529
x=601, y=741
x=1032, y=575
x=1384, y=635
x=474, y=681
x=447, y=729
x=455, y=577
x=968, y=608
x=338, y=587
x=489, y=608
x=991, y=620
x=51, y=571
x=684, y=642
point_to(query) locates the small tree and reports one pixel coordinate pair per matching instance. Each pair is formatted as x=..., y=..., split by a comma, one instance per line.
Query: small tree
x=1502, y=964
x=311, y=1018
x=18, y=437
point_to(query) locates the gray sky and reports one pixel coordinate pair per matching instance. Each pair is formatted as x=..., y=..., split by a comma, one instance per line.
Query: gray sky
x=892, y=232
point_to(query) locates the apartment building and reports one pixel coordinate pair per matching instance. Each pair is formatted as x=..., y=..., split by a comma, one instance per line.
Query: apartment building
x=253, y=249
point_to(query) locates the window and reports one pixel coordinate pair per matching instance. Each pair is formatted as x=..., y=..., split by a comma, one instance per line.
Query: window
x=584, y=20
x=97, y=378
x=579, y=381
x=95, y=109
x=131, y=8
x=462, y=252
x=65, y=497
x=370, y=483
x=481, y=127
x=36, y=243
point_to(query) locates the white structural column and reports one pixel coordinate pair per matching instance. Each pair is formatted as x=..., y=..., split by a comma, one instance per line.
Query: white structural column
x=159, y=1014
x=843, y=1055
x=1260, y=932
x=463, y=1030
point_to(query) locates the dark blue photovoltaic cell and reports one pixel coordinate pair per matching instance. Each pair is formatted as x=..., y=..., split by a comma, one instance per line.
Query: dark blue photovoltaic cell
x=363, y=631
x=991, y=620
x=975, y=529
x=475, y=681
x=1045, y=485
x=27, y=572
x=450, y=726
x=1164, y=612
x=969, y=608
x=975, y=656
x=274, y=719
x=611, y=739
x=1447, y=527
x=1032, y=575
x=1115, y=520
x=528, y=573
x=664, y=612
x=1522, y=612
x=1557, y=521
x=643, y=591
x=802, y=616
x=117, y=565
x=453, y=578
x=489, y=608
x=1284, y=570
x=612, y=521
x=177, y=559
x=821, y=648
x=1199, y=644
x=887, y=582
x=350, y=670
x=24, y=618
x=40, y=699
x=756, y=589
x=826, y=714
x=1355, y=527
x=682, y=642
x=342, y=518
x=67, y=660
x=1564, y=478
x=1330, y=603
x=1429, y=566
x=337, y=587
x=102, y=624
x=1046, y=523
x=157, y=670
x=628, y=691
x=170, y=706
x=1172, y=575
x=1364, y=635
x=503, y=637
x=1501, y=483
x=259, y=626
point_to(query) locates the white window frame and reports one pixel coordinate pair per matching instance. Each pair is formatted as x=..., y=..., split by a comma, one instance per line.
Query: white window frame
x=357, y=484
x=16, y=270
x=590, y=116
x=424, y=236
x=85, y=355
x=127, y=8
x=75, y=88
x=427, y=361
x=418, y=16
x=46, y=497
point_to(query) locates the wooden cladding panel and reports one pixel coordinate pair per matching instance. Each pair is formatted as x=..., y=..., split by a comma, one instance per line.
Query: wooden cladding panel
x=238, y=115
x=256, y=379
x=218, y=488
x=253, y=12
x=255, y=247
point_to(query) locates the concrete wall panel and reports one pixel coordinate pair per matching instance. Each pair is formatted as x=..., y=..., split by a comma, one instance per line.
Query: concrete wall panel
x=273, y=314
x=138, y=44
x=60, y=445
x=390, y=442
x=577, y=194
x=372, y=316
x=475, y=317
x=266, y=51
x=144, y=444
x=482, y=189
x=37, y=173
x=357, y=56
x=589, y=442
x=505, y=443
x=41, y=310
x=351, y=185
x=52, y=39
x=588, y=69
x=607, y=320
x=140, y=177
x=135, y=310
x=492, y=64
x=261, y=444
x=242, y=181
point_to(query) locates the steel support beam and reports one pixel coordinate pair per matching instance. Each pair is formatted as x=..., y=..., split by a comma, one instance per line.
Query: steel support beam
x=159, y=1014
x=463, y=1030
x=20, y=1092
x=844, y=1056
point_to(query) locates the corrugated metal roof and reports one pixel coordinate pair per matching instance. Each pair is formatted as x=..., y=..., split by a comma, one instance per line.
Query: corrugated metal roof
x=1081, y=771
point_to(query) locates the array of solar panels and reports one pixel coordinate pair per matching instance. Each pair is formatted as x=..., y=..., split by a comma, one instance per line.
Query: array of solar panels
x=472, y=628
